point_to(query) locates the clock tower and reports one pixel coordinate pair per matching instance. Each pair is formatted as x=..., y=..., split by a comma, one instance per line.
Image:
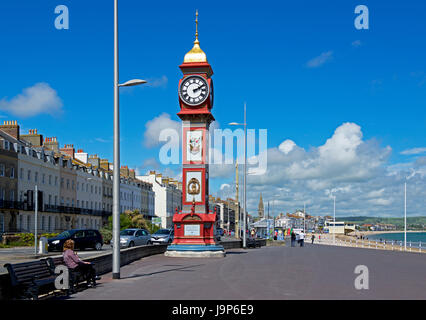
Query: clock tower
x=195, y=224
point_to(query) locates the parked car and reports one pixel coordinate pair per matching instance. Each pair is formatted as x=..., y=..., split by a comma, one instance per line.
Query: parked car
x=133, y=237
x=83, y=239
x=163, y=236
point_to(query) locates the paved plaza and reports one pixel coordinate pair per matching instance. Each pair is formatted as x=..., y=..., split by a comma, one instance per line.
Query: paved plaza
x=311, y=272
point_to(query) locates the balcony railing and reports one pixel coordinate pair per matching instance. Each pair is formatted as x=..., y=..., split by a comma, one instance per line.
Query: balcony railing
x=21, y=205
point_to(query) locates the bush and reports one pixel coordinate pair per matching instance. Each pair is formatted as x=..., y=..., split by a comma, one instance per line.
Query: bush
x=106, y=235
x=27, y=239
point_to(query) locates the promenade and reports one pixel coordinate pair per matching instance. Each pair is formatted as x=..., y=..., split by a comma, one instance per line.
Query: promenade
x=310, y=272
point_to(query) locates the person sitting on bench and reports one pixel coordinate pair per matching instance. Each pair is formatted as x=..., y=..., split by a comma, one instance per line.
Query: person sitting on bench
x=76, y=265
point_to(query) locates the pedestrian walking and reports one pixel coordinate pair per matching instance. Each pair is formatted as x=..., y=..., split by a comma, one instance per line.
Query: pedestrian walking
x=293, y=239
x=301, y=238
x=313, y=238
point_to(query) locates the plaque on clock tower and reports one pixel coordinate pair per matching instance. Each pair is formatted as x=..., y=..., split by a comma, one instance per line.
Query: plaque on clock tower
x=194, y=225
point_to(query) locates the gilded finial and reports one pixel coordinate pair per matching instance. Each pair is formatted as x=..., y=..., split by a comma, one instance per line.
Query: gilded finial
x=196, y=25
x=196, y=54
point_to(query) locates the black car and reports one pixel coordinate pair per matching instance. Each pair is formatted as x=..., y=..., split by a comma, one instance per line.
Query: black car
x=83, y=239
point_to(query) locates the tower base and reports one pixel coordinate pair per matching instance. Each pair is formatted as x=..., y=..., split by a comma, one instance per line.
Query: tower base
x=195, y=251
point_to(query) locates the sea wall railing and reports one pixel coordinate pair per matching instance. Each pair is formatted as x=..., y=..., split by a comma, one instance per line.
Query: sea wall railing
x=393, y=245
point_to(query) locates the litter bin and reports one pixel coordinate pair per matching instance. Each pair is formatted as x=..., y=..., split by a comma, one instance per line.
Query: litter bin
x=42, y=245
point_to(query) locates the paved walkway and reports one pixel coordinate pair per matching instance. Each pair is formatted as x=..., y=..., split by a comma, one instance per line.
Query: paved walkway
x=311, y=272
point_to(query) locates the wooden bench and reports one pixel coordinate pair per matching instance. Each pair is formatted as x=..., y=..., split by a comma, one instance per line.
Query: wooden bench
x=74, y=277
x=29, y=279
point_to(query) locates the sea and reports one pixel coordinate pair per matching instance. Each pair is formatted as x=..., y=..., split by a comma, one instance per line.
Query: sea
x=414, y=237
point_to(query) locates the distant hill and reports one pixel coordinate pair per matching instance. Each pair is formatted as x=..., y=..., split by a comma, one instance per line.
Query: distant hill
x=412, y=222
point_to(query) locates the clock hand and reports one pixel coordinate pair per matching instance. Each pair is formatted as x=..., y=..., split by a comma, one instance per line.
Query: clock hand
x=199, y=88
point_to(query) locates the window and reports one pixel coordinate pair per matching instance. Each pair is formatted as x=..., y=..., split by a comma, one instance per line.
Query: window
x=1, y=170
x=36, y=176
x=56, y=181
x=21, y=174
x=79, y=234
x=56, y=200
x=29, y=175
x=78, y=184
x=91, y=233
x=78, y=203
x=12, y=172
x=68, y=183
x=62, y=182
x=12, y=195
x=91, y=189
x=6, y=144
x=50, y=179
x=42, y=178
x=50, y=200
x=72, y=203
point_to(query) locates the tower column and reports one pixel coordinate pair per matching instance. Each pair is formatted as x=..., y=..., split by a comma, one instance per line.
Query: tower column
x=195, y=225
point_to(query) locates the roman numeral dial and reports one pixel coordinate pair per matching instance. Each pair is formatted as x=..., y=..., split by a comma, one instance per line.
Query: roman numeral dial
x=194, y=90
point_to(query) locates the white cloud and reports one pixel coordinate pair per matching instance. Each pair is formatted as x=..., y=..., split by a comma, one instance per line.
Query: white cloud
x=320, y=60
x=414, y=151
x=286, y=146
x=35, y=100
x=157, y=82
x=356, y=43
x=101, y=140
x=154, y=127
x=356, y=170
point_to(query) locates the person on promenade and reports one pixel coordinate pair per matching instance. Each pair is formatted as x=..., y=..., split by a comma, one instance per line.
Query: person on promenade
x=302, y=238
x=298, y=238
x=75, y=264
x=293, y=239
x=313, y=238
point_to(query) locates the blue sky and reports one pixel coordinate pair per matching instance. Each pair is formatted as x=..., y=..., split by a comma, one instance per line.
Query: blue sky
x=302, y=67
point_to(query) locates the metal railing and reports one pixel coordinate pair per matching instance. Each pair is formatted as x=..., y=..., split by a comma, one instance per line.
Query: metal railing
x=21, y=205
x=393, y=245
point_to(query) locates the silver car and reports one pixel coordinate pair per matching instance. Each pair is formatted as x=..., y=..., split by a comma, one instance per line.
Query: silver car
x=134, y=237
x=164, y=236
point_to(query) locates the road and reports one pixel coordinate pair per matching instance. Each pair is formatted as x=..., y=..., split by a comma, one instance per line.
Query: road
x=311, y=272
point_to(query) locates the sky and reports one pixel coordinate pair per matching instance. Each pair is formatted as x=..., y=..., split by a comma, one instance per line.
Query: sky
x=344, y=109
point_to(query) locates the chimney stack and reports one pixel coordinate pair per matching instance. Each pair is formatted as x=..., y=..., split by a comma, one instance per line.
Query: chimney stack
x=11, y=128
x=68, y=150
x=124, y=171
x=82, y=156
x=52, y=144
x=94, y=160
x=33, y=137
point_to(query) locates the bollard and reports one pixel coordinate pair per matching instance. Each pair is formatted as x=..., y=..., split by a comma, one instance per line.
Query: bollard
x=410, y=246
x=392, y=245
x=420, y=247
x=376, y=244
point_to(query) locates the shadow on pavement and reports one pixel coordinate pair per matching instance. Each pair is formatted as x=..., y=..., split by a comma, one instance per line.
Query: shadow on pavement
x=163, y=271
x=238, y=252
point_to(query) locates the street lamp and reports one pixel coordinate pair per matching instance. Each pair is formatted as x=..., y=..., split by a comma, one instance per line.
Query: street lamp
x=245, y=171
x=116, y=171
x=334, y=220
x=405, y=207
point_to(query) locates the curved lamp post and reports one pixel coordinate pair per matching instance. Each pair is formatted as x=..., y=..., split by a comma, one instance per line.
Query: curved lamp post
x=116, y=171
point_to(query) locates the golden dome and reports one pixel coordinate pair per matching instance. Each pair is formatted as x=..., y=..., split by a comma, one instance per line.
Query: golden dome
x=196, y=54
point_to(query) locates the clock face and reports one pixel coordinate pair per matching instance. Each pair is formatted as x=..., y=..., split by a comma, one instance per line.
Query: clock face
x=194, y=90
